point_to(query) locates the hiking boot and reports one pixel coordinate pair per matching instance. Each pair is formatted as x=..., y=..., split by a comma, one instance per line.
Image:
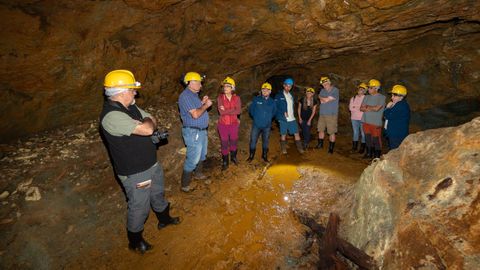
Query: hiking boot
x=331, y=145
x=224, y=162
x=320, y=144
x=354, y=146
x=164, y=218
x=283, y=146
x=264, y=155
x=299, y=146
x=233, y=157
x=251, y=155
x=137, y=243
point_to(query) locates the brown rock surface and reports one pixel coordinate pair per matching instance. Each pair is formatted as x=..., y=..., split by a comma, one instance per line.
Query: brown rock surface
x=418, y=207
x=54, y=54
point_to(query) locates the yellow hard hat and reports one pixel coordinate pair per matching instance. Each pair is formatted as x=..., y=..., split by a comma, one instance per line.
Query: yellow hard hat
x=399, y=90
x=309, y=90
x=324, y=79
x=192, y=76
x=267, y=86
x=121, y=78
x=373, y=83
x=363, y=85
x=230, y=81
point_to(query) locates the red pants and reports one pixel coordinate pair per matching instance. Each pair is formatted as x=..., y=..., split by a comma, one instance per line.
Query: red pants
x=228, y=137
x=373, y=135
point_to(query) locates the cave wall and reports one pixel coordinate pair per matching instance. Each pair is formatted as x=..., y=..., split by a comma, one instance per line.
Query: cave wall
x=54, y=54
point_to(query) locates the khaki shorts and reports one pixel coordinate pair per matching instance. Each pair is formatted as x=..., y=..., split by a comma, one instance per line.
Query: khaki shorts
x=329, y=122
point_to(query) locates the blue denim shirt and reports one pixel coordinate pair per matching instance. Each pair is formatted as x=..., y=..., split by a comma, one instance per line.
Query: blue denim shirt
x=262, y=111
x=188, y=101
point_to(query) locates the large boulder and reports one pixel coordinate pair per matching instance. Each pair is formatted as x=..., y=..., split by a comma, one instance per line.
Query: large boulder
x=419, y=206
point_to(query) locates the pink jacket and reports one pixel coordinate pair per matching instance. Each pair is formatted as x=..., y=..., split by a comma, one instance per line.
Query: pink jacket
x=354, y=106
x=233, y=108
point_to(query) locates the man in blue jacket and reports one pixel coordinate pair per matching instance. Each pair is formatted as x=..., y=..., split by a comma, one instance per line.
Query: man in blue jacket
x=397, y=117
x=262, y=110
x=285, y=102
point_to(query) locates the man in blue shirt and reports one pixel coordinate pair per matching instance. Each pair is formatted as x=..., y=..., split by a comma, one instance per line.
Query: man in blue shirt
x=193, y=112
x=262, y=110
x=328, y=114
x=285, y=102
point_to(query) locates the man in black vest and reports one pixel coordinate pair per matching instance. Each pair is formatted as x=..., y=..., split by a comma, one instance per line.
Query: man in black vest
x=127, y=130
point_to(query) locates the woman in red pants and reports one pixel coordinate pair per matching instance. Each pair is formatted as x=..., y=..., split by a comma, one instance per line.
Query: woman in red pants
x=229, y=107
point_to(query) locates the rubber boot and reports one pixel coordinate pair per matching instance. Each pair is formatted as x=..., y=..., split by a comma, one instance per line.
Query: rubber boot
x=362, y=148
x=186, y=178
x=198, y=172
x=377, y=153
x=283, y=146
x=264, y=155
x=137, y=243
x=233, y=157
x=251, y=155
x=224, y=162
x=354, y=146
x=368, y=153
x=331, y=145
x=299, y=146
x=320, y=144
x=164, y=218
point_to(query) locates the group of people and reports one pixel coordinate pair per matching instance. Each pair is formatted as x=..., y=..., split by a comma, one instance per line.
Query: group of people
x=127, y=131
x=368, y=113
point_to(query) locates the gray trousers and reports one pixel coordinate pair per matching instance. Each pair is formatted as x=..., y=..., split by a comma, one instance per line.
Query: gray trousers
x=140, y=198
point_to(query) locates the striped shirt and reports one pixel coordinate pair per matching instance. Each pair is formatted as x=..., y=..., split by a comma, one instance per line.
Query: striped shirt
x=188, y=101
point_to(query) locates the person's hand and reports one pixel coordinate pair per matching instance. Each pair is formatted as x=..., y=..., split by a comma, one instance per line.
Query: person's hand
x=390, y=104
x=309, y=123
x=204, y=99
x=300, y=121
x=222, y=108
x=286, y=114
x=208, y=102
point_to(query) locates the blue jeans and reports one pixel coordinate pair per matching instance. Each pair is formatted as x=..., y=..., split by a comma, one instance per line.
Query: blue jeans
x=197, y=143
x=357, y=126
x=306, y=132
x=254, y=137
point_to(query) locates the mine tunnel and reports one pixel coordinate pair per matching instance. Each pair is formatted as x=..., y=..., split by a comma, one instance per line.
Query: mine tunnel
x=68, y=166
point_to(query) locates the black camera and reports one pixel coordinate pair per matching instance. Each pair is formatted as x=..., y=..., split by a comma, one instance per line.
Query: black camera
x=157, y=136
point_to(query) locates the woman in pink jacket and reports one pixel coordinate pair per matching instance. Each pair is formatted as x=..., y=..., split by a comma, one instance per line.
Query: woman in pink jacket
x=356, y=116
x=229, y=107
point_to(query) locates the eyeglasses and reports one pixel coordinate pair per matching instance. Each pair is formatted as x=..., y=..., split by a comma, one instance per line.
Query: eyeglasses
x=396, y=95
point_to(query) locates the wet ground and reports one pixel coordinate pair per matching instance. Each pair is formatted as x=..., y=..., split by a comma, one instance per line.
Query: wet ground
x=243, y=218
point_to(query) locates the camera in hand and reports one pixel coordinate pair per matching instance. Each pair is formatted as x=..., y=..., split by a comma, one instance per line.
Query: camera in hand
x=157, y=136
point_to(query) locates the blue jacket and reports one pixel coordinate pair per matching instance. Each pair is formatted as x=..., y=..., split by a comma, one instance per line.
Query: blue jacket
x=398, y=119
x=262, y=111
x=281, y=103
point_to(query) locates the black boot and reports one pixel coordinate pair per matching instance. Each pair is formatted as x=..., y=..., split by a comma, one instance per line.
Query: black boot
x=368, y=153
x=377, y=153
x=198, y=172
x=233, y=157
x=186, y=178
x=354, y=146
x=362, y=148
x=224, y=162
x=331, y=145
x=137, y=243
x=251, y=155
x=164, y=218
x=299, y=146
x=320, y=143
x=264, y=155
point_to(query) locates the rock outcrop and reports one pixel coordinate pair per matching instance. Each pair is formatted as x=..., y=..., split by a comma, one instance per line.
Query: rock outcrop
x=419, y=206
x=54, y=54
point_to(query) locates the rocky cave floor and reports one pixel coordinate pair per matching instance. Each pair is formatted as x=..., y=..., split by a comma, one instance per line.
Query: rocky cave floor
x=62, y=208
